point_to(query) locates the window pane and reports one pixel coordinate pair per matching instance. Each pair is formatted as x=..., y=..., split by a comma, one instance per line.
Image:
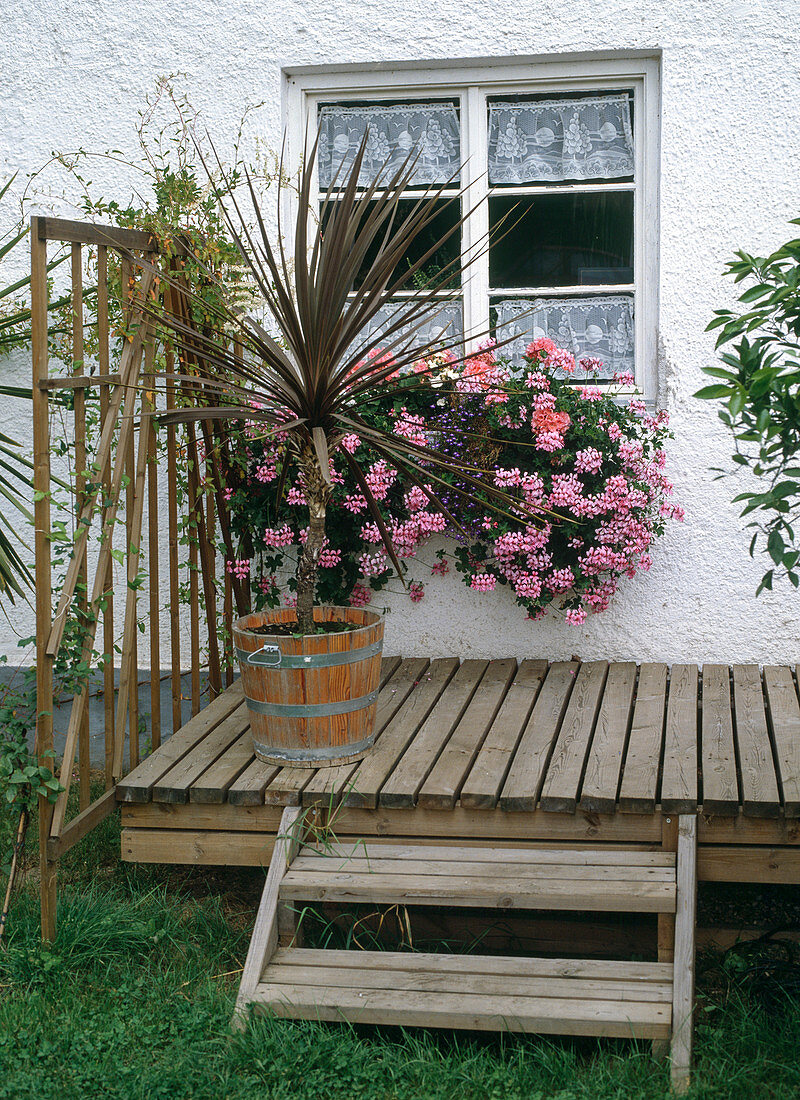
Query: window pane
x=562, y=240
x=549, y=139
x=434, y=270
x=431, y=131
x=600, y=326
x=444, y=324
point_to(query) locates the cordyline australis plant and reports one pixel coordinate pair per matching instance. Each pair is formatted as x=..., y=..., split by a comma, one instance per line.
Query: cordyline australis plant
x=308, y=385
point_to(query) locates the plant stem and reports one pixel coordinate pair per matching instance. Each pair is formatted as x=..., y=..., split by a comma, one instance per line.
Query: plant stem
x=16, y=859
x=317, y=492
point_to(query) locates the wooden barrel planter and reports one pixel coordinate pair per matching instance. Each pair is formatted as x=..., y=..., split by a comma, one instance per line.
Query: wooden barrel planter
x=312, y=700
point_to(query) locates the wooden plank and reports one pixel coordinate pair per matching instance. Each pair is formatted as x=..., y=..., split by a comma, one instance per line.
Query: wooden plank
x=323, y=864
x=482, y=890
x=405, y=781
x=442, y=787
x=784, y=713
x=738, y=863
x=103, y=356
x=679, y=771
x=195, y=816
x=154, y=624
x=213, y=785
x=43, y=566
x=61, y=229
x=285, y=970
x=138, y=785
x=748, y=830
x=760, y=797
x=199, y=849
x=565, y=770
x=329, y=784
x=609, y=971
x=639, y=787
x=459, y=825
x=485, y=824
x=175, y=784
x=492, y=853
x=265, y=931
x=248, y=788
x=604, y=763
x=372, y=772
x=685, y=916
x=521, y=789
x=80, y=381
x=718, y=755
x=172, y=535
x=545, y=1016
x=481, y=789
x=79, y=422
x=403, y=785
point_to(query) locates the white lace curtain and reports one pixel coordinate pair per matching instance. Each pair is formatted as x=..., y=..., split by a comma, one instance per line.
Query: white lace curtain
x=432, y=129
x=549, y=140
x=600, y=327
x=445, y=325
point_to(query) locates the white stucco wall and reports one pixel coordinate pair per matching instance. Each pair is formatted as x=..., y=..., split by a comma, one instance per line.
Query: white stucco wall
x=74, y=73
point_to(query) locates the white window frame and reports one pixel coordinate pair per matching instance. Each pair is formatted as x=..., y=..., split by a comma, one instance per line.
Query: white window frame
x=471, y=81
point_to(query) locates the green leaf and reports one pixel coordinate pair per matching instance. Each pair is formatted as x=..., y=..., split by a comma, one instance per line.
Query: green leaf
x=709, y=393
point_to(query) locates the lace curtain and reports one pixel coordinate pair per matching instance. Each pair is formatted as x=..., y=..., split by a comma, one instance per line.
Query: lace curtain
x=445, y=325
x=394, y=131
x=560, y=139
x=600, y=327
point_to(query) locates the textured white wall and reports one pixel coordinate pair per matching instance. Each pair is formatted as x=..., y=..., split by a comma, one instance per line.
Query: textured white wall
x=74, y=73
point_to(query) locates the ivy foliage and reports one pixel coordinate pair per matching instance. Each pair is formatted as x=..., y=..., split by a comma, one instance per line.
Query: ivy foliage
x=759, y=385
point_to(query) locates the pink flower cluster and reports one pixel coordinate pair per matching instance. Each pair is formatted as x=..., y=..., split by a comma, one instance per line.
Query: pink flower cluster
x=598, y=478
x=240, y=568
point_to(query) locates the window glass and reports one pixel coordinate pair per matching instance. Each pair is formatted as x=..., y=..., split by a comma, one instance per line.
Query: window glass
x=573, y=239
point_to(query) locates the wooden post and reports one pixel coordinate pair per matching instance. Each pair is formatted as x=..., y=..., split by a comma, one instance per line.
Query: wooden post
x=103, y=354
x=43, y=577
x=152, y=560
x=79, y=410
x=172, y=522
x=683, y=981
x=666, y=921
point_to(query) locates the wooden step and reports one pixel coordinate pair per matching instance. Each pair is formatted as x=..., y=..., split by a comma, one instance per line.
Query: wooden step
x=547, y=878
x=474, y=992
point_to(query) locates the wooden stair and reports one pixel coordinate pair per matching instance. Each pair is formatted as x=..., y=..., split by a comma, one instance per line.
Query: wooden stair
x=644, y=1000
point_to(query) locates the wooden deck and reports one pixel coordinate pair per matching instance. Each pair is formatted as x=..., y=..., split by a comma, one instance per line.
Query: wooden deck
x=491, y=750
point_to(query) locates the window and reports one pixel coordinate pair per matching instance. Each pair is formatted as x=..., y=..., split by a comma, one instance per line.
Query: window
x=564, y=155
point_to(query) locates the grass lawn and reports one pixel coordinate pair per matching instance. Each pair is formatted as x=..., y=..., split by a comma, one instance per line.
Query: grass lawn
x=135, y=997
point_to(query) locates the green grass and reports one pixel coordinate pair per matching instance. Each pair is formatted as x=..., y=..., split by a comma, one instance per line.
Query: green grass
x=135, y=997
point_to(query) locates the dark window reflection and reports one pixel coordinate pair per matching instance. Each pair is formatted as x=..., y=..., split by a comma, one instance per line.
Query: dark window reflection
x=562, y=240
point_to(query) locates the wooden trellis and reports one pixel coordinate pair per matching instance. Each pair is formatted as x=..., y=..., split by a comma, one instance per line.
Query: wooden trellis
x=111, y=481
